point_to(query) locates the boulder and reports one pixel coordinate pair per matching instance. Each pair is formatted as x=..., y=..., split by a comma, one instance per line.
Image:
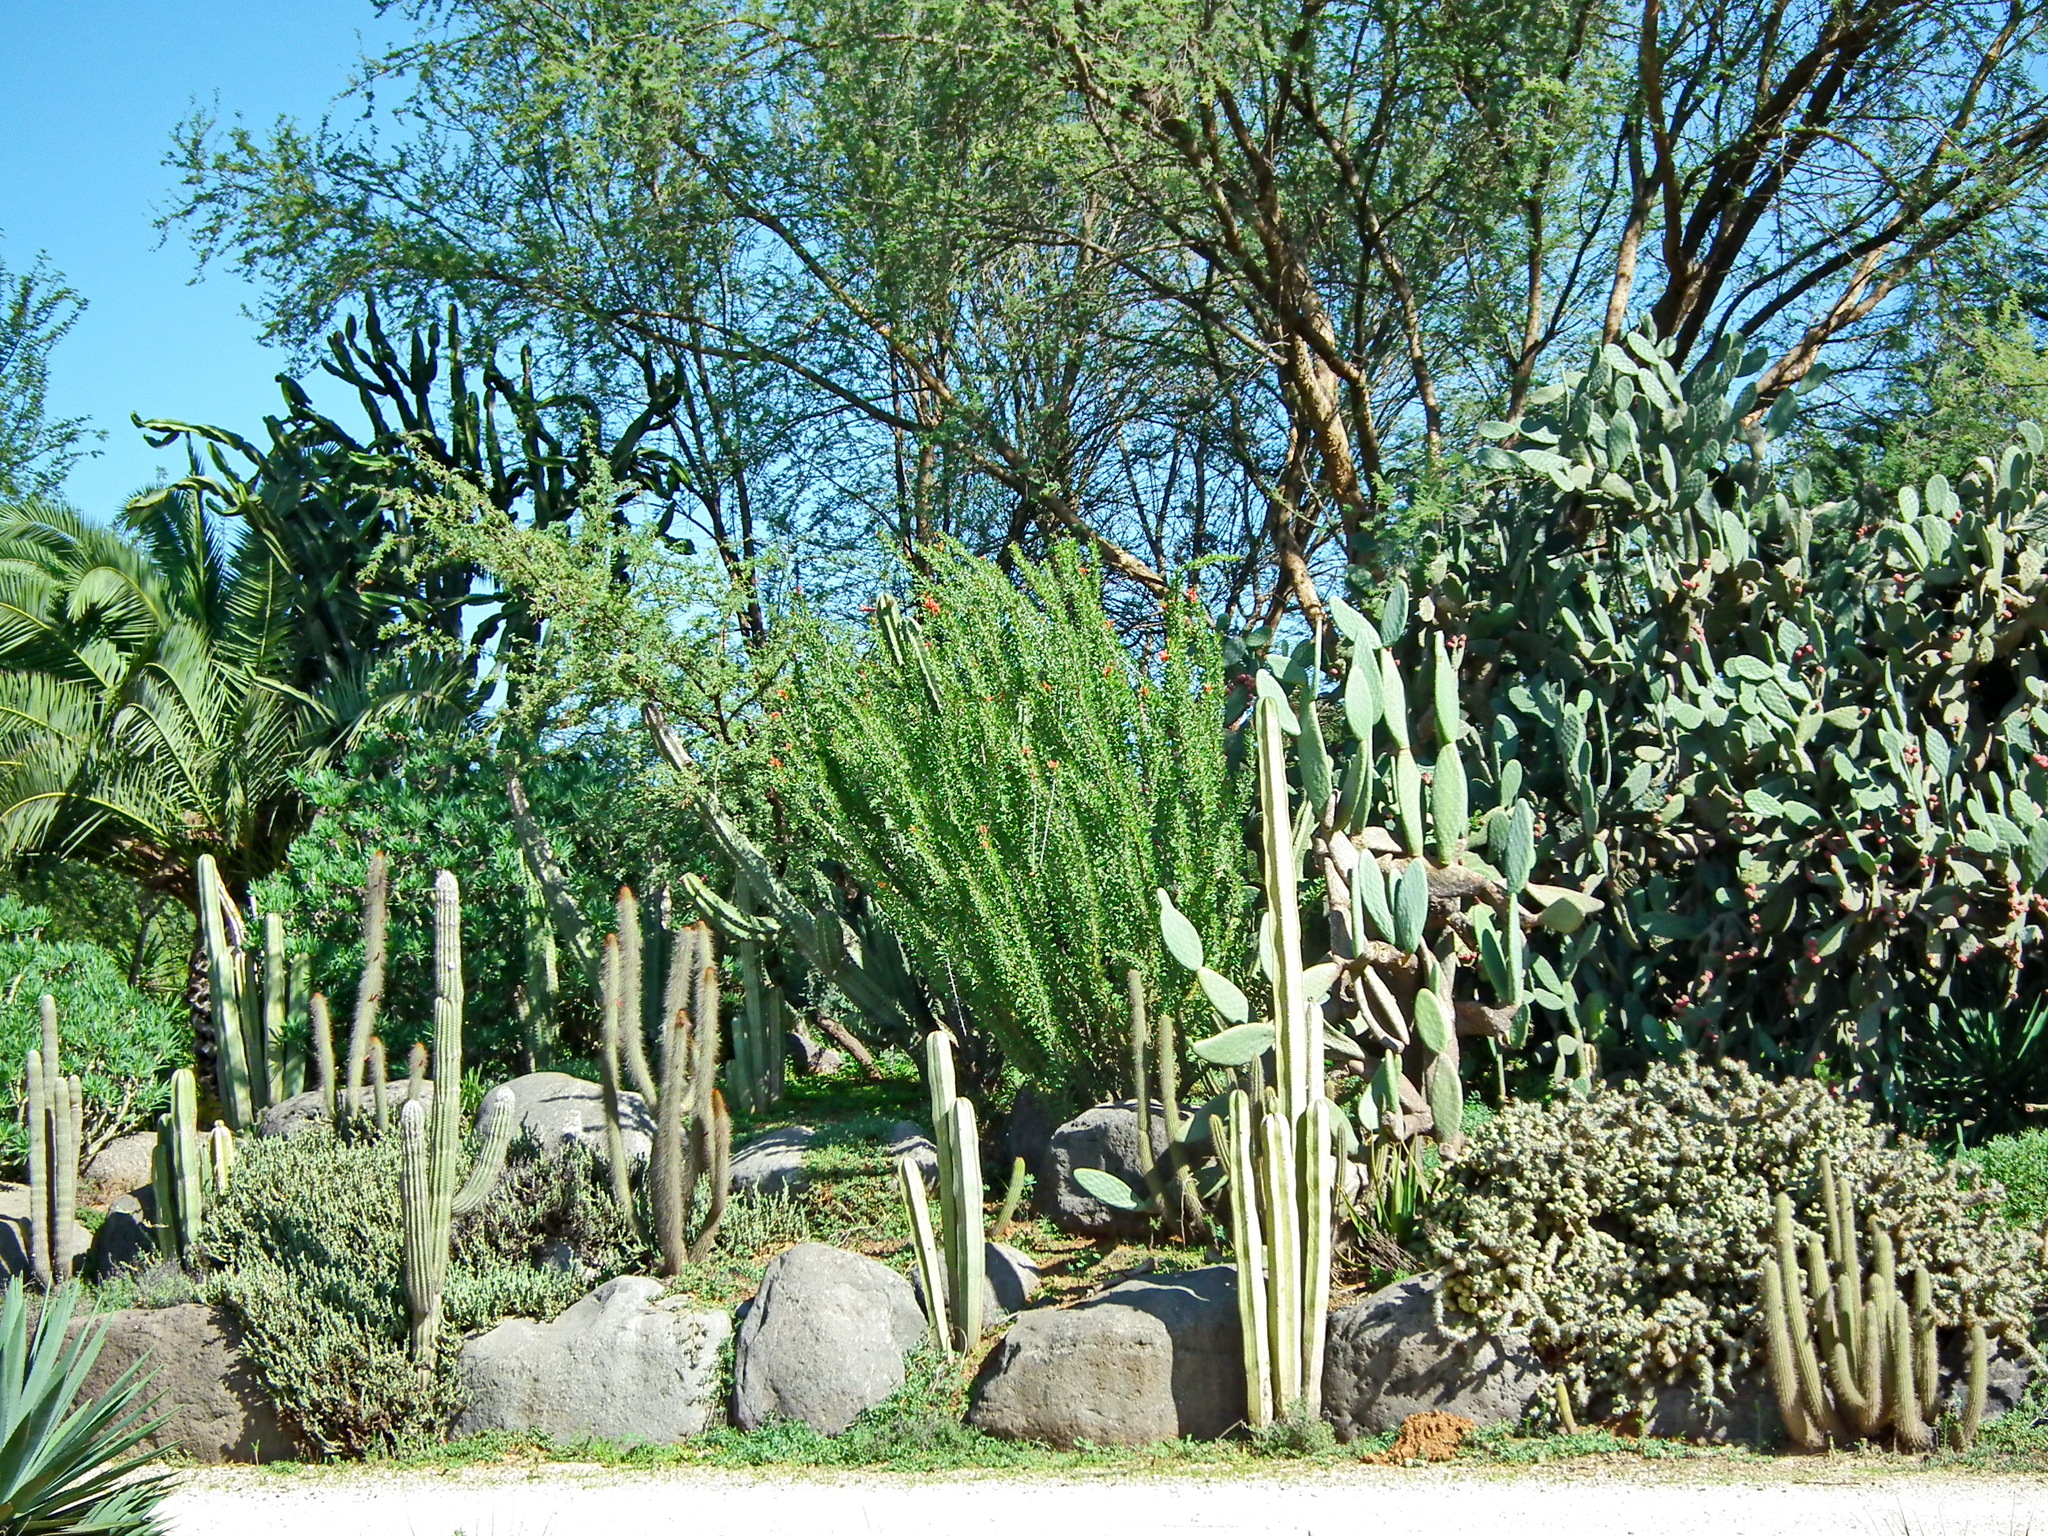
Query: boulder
x=126, y=1163
x=774, y=1162
x=14, y=1235
x=559, y=1111
x=624, y=1364
x=1010, y=1278
x=127, y=1238
x=290, y=1116
x=1104, y=1137
x=1387, y=1357
x=823, y=1340
x=1154, y=1359
x=217, y=1411
x=907, y=1137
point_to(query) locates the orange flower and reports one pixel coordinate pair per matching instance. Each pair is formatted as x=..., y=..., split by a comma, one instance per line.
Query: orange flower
x=774, y=762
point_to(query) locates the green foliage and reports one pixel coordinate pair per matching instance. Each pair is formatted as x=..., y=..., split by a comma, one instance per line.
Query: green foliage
x=441, y=804
x=122, y=1043
x=37, y=310
x=1623, y=1230
x=305, y=1247
x=2018, y=1165
x=69, y=1468
x=1010, y=783
x=1807, y=769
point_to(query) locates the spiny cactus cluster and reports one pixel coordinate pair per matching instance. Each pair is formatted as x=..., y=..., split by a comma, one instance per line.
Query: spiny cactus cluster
x=1804, y=743
x=189, y=1169
x=1623, y=1231
x=56, y=1126
x=1851, y=1356
x=432, y=1168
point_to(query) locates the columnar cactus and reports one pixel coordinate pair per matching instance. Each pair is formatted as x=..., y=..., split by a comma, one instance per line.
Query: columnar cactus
x=950, y=1259
x=261, y=1006
x=1851, y=1357
x=369, y=992
x=432, y=1139
x=755, y=1075
x=179, y=1169
x=56, y=1110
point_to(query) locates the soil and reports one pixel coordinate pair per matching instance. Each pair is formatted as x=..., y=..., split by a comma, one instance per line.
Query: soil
x=1426, y=1437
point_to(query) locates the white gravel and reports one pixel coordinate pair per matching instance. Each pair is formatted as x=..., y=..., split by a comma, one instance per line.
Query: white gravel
x=1638, y=1501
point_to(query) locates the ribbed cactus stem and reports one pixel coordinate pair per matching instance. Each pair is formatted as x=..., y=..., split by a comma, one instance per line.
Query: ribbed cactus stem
x=668, y=1193
x=495, y=1125
x=416, y=1073
x=931, y=1268
x=323, y=1052
x=632, y=1025
x=612, y=979
x=220, y=1157
x=225, y=987
x=380, y=1085
x=298, y=1041
x=718, y=1174
x=710, y=1125
x=56, y=1110
x=276, y=981
x=370, y=986
x=179, y=1169
x=423, y=1238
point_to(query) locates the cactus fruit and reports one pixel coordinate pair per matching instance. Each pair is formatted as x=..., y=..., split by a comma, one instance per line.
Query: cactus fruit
x=56, y=1108
x=431, y=1136
x=1853, y=1357
x=951, y=1258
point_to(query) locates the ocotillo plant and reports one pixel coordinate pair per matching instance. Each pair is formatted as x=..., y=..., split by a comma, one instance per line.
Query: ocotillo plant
x=950, y=1260
x=432, y=1139
x=56, y=1110
x=1851, y=1357
x=179, y=1171
x=1279, y=1145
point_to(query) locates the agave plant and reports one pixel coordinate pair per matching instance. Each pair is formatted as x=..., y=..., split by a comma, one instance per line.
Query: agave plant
x=64, y=1466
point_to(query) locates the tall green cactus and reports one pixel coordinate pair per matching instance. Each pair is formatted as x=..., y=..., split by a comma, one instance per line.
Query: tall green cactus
x=432, y=1139
x=180, y=1172
x=1852, y=1357
x=951, y=1259
x=755, y=1074
x=369, y=994
x=261, y=1006
x=56, y=1110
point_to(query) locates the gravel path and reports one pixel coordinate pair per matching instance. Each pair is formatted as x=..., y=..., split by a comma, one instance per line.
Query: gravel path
x=1639, y=1501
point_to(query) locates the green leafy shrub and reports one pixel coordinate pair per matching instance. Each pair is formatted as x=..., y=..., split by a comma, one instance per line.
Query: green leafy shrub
x=1010, y=783
x=2019, y=1166
x=306, y=1249
x=1804, y=744
x=1623, y=1229
x=122, y=1043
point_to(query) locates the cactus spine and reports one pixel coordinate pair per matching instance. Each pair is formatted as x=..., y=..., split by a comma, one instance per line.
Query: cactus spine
x=179, y=1168
x=56, y=1109
x=692, y=1131
x=1852, y=1356
x=951, y=1260
x=432, y=1139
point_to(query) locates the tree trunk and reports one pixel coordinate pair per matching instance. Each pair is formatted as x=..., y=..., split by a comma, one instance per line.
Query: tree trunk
x=199, y=1002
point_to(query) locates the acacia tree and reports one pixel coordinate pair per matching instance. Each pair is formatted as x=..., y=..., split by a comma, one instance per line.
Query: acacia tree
x=1172, y=279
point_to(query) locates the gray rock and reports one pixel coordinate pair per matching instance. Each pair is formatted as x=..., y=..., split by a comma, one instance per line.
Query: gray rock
x=1010, y=1278
x=126, y=1163
x=1104, y=1137
x=623, y=1364
x=774, y=1162
x=824, y=1339
x=217, y=1411
x=14, y=1234
x=127, y=1238
x=1148, y=1360
x=559, y=1111
x=1387, y=1358
x=906, y=1137
x=290, y=1116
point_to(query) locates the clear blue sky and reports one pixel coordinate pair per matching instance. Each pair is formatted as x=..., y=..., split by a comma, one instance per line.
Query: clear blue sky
x=89, y=93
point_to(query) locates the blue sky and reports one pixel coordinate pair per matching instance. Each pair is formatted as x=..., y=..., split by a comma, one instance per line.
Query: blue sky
x=89, y=94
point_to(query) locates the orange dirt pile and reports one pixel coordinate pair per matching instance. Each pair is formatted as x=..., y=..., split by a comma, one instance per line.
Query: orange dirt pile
x=1426, y=1437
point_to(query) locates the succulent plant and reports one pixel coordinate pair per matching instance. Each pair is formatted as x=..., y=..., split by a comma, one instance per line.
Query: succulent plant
x=261, y=1004
x=1851, y=1356
x=56, y=1107
x=432, y=1162
x=950, y=1253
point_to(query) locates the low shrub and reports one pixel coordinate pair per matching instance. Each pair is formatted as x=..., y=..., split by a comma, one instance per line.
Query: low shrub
x=122, y=1043
x=306, y=1249
x=2019, y=1166
x=1622, y=1231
